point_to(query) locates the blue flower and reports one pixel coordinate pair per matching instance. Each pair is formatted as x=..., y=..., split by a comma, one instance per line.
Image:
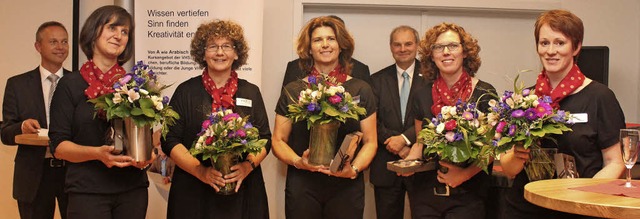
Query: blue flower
x=312, y=80
x=547, y=99
x=139, y=80
x=312, y=107
x=165, y=100
x=248, y=125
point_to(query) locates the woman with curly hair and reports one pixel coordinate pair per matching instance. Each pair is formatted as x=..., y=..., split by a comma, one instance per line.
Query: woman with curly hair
x=220, y=48
x=449, y=60
x=314, y=192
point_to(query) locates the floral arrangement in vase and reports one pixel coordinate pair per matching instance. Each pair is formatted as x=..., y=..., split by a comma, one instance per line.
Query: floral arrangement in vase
x=137, y=95
x=459, y=134
x=226, y=132
x=324, y=101
x=522, y=118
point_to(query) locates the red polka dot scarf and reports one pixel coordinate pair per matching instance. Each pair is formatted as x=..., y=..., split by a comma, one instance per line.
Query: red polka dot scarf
x=100, y=83
x=444, y=96
x=337, y=73
x=222, y=97
x=568, y=85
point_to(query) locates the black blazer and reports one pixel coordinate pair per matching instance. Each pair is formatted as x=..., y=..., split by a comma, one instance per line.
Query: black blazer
x=23, y=100
x=293, y=72
x=389, y=121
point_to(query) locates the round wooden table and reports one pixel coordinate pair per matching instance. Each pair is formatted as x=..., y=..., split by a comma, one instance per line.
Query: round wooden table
x=32, y=139
x=555, y=194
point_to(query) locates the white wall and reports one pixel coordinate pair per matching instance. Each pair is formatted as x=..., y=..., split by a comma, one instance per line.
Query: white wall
x=611, y=23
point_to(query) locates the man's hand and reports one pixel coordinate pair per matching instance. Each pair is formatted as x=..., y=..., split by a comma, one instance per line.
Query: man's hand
x=395, y=144
x=30, y=126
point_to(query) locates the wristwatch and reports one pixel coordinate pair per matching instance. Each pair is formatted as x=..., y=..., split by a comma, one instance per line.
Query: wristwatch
x=355, y=169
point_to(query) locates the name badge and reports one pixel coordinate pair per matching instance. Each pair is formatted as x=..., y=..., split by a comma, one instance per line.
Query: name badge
x=356, y=99
x=579, y=118
x=243, y=102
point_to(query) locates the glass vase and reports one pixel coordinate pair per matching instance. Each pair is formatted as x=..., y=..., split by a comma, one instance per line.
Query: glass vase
x=223, y=164
x=322, y=142
x=541, y=163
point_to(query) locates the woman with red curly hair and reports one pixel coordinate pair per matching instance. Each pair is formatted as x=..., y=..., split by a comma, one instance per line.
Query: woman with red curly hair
x=449, y=60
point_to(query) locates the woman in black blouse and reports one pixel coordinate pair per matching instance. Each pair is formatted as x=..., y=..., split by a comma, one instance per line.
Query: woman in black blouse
x=594, y=141
x=324, y=47
x=450, y=60
x=220, y=48
x=100, y=184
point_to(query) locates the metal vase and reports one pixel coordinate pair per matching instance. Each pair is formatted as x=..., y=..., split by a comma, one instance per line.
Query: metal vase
x=223, y=164
x=133, y=140
x=322, y=142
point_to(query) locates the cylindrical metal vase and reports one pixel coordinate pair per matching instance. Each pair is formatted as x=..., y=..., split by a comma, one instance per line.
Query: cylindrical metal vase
x=223, y=164
x=135, y=141
x=322, y=142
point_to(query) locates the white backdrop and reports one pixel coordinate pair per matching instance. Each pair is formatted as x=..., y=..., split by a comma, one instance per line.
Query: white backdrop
x=164, y=30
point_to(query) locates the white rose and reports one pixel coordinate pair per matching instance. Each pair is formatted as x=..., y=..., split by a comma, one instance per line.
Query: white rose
x=440, y=128
x=452, y=110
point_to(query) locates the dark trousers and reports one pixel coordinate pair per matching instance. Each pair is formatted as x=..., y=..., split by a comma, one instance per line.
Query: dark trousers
x=130, y=205
x=459, y=205
x=390, y=199
x=51, y=188
x=317, y=196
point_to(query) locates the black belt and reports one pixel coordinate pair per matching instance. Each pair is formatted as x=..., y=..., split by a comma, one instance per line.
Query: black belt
x=55, y=163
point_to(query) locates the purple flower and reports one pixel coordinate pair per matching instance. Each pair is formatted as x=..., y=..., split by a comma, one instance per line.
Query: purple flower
x=471, y=106
x=459, y=137
x=312, y=80
x=526, y=92
x=248, y=125
x=139, y=80
x=512, y=130
x=116, y=85
x=546, y=99
x=507, y=94
x=435, y=121
x=344, y=108
x=165, y=100
x=244, y=141
x=494, y=143
x=231, y=134
x=312, y=107
x=530, y=114
x=335, y=99
x=517, y=113
x=500, y=126
x=559, y=117
x=543, y=109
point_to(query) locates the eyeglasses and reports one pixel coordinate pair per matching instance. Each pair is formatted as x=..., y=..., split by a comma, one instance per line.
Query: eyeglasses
x=440, y=48
x=224, y=47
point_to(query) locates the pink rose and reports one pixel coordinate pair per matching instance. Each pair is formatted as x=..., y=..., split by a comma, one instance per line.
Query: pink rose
x=335, y=99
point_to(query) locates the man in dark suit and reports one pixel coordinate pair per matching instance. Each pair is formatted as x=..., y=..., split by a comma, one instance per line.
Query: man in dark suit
x=394, y=86
x=295, y=72
x=38, y=177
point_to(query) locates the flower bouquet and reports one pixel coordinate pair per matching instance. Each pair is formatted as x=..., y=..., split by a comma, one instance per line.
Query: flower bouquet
x=134, y=107
x=522, y=118
x=459, y=134
x=224, y=138
x=324, y=104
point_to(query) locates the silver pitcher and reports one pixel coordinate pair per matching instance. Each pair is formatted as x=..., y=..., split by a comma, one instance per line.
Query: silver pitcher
x=132, y=140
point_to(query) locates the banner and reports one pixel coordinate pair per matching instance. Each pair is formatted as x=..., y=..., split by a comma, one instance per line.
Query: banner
x=164, y=29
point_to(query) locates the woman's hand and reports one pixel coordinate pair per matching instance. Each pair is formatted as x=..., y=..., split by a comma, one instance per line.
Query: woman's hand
x=238, y=173
x=455, y=175
x=414, y=153
x=521, y=154
x=144, y=164
x=210, y=176
x=303, y=163
x=345, y=172
x=111, y=160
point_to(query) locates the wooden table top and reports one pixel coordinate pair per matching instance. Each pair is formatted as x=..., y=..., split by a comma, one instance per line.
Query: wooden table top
x=32, y=139
x=555, y=194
